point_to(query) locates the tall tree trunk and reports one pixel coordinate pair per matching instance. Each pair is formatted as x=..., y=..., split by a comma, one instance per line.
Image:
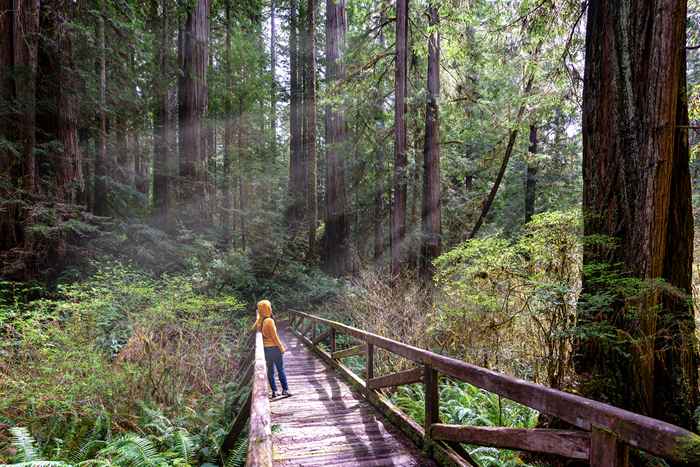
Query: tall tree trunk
x=309, y=137
x=336, y=242
x=19, y=28
x=242, y=198
x=531, y=175
x=69, y=178
x=637, y=193
x=379, y=161
x=163, y=118
x=273, y=83
x=431, y=217
x=194, y=101
x=226, y=217
x=297, y=189
x=398, y=211
x=101, y=162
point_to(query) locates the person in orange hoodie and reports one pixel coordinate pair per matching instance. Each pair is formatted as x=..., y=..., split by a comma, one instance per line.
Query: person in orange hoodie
x=274, y=349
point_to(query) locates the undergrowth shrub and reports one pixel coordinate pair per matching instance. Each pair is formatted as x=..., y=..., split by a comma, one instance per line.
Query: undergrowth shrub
x=511, y=305
x=120, y=356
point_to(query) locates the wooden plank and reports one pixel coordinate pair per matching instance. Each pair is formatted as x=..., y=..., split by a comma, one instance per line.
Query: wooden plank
x=655, y=436
x=443, y=454
x=607, y=450
x=323, y=336
x=413, y=375
x=357, y=350
x=236, y=429
x=260, y=433
x=571, y=444
x=432, y=398
x=369, y=361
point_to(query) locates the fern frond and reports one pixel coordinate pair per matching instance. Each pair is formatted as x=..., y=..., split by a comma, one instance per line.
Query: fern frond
x=25, y=444
x=133, y=451
x=87, y=450
x=237, y=456
x=37, y=464
x=183, y=444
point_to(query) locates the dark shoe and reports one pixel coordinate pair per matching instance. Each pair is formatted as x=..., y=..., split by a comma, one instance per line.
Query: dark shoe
x=286, y=393
x=273, y=395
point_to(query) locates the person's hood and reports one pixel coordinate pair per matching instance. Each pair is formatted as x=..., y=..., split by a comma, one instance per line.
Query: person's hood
x=265, y=308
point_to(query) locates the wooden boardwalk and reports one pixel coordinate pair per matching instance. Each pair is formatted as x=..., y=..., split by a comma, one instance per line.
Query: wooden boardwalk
x=329, y=421
x=326, y=423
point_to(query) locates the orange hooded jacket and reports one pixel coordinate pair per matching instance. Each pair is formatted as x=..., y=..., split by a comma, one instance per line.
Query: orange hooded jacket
x=266, y=325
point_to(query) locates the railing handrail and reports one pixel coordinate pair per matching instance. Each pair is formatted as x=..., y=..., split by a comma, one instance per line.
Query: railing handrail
x=260, y=432
x=639, y=431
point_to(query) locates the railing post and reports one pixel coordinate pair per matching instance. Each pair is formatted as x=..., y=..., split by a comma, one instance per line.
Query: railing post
x=607, y=450
x=313, y=331
x=370, y=361
x=332, y=340
x=432, y=398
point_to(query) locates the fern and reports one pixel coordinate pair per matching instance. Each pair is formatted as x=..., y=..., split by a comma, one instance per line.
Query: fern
x=37, y=464
x=25, y=444
x=183, y=444
x=238, y=454
x=133, y=450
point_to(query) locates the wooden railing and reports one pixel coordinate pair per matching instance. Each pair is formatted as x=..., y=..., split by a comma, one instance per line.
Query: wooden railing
x=604, y=432
x=255, y=409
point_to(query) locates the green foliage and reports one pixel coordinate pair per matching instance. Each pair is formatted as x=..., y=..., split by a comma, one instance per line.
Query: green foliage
x=464, y=404
x=24, y=443
x=237, y=456
x=79, y=365
x=511, y=305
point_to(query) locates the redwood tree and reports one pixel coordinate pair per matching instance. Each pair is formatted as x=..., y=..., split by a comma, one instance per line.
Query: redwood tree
x=336, y=241
x=309, y=134
x=163, y=115
x=193, y=102
x=637, y=344
x=431, y=218
x=19, y=28
x=297, y=190
x=398, y=208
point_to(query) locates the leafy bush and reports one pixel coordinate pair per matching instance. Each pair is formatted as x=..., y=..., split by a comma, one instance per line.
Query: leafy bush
x=117, y=364
x=511, y=305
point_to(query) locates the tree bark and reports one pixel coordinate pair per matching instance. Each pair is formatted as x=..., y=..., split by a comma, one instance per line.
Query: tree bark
x=637, y=194
x=297, y=189
x=19, y=28
x=309, y=137
x=335, y=253
x=101, y=163
x=163, y=118
x=431, y=217
x=379, y=162
x=273, y=81
x=531, y=175
x=193, y=104
x=398, y=211
x=226, y=217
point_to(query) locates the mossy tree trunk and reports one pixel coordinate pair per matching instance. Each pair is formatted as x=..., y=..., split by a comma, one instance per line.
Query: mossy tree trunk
x=636, y=346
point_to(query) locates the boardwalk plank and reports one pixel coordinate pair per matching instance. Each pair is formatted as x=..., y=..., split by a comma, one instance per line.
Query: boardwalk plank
x=325, y=423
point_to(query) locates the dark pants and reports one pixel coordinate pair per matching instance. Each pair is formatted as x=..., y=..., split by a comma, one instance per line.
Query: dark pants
x=273, y=358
